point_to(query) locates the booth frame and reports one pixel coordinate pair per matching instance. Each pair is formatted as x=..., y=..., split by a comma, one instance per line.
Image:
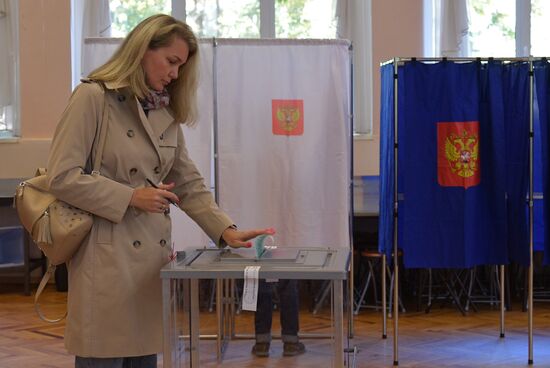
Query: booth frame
x=397, y=61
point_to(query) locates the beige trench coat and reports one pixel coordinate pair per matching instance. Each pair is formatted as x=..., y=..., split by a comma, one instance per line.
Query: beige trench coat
x=114, y=302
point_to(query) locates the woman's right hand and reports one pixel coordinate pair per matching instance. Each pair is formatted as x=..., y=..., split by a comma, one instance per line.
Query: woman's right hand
x=154, y=200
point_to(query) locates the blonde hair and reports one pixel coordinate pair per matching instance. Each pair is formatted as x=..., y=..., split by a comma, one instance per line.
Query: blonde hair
x=124, y=67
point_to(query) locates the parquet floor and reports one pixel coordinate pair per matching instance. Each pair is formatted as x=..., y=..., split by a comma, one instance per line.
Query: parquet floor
x=442, y=338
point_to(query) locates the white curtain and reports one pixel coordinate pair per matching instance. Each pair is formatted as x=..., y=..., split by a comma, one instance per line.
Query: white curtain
x=185, y=233
x=96, y=51
x=451, y=28
x=298, y=184
x=355, y=24
x=523, y=28
x=91, y=18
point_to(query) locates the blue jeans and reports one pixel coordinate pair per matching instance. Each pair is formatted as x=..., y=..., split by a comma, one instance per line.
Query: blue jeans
x=146, y=361
x=288, y=307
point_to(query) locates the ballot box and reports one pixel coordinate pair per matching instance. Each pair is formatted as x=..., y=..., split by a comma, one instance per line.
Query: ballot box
x=180, y=289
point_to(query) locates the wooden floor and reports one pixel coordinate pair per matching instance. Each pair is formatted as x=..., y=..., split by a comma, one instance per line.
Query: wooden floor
x=442, y=338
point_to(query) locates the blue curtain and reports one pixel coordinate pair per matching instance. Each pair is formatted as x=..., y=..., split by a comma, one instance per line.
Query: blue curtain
x=452, y=216
x=463, y=135
x=515, y=83
x=385, y=219
x=542, y=81
x=538, y=230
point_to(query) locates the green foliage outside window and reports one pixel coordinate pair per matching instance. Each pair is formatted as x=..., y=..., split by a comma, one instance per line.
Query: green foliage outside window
x=290, y=21
x=217, y=18
x=497, y=18
x=126, y=14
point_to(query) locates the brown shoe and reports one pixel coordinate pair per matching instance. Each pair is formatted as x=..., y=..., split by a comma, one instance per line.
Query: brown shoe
x=293, y=348
x=261, y=349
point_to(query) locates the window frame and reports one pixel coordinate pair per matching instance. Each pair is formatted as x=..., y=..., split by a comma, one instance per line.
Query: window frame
x=14, y=133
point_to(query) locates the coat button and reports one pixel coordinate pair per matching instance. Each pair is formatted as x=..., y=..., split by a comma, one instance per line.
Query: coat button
x=133, y=170
x=137, y=244
x=121, y=98
x=161, y=137
x=162, y=242
x=130, y=133
x=157, y=170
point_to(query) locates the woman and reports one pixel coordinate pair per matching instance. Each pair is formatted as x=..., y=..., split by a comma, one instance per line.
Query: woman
x=149, y=88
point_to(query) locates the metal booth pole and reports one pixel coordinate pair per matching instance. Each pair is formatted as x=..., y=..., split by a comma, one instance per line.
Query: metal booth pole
x=531, y=216
x=351, y=279
x=384, y=305
x=502, y=281
x=395, y=212
x=221, y=295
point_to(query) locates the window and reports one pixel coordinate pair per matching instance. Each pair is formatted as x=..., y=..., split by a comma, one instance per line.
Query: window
x=126, y=14
x=539, y=36
x=230, y=19
x=9, y=95
x=492, y=22
x=300, y=19
x=305, y=19
x=235, y=19
x=499, y=28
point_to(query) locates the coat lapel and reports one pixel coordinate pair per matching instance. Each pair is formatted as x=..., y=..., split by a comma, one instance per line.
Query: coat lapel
x=157, y=122
x=147, y=126
x=160, y=120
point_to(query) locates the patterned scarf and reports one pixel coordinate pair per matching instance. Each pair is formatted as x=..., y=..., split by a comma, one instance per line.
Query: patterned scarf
x=155, y=100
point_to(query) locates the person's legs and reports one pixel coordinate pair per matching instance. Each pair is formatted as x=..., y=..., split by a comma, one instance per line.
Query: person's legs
x=81, y=362
x=263, y=319
x=145, y=361
x=264, y=312
x=290, y=310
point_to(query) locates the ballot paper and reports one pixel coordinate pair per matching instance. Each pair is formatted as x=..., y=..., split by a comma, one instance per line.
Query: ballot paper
x=250, y=289
x=263, y=242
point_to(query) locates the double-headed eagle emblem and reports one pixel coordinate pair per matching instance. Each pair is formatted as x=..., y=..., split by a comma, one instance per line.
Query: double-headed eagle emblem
x=462, y=152
x=288, y=117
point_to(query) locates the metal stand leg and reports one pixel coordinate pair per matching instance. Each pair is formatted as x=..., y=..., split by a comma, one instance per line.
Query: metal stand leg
x=324, y=293
x=337, y=317
x=364, y=291
x=501, y=280
x=213, y=293
x=168, y=325
x=384, y=308
x=220, y=338
x=395, y=312
x=194, y=323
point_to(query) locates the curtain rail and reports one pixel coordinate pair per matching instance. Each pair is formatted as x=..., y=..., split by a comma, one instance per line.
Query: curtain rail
x=462, y=59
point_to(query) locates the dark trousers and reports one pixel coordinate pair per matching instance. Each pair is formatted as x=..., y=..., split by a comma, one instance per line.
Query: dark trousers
x=146, y=361
x=288, y=307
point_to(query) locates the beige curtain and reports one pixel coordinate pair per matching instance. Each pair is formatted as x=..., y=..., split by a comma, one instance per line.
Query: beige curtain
x=91, y=18
x=355, y=24
x=453, y=28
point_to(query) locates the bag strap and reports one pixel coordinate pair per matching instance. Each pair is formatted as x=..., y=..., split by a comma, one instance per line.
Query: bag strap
x=102, y=133
x=95, y=171
x=41, y=286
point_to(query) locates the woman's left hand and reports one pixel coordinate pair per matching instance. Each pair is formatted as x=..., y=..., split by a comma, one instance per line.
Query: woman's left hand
x=239, y=239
